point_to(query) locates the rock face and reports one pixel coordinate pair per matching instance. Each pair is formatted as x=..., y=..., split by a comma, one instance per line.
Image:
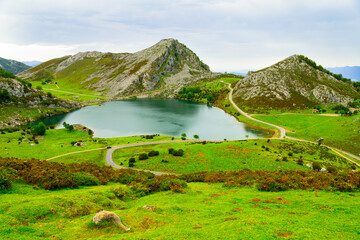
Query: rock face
x=291, y=83
x=166, y=65
x=21, y=94
x=13, y=66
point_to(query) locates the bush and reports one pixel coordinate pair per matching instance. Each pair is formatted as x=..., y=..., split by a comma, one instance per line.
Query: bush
x=170, y=150
x=132, y=160
x=316, y=166
x=131, y=164
x=85, y=179
x=39, y=129
x=331, y=169
x=5, y=182
x=178, y=153
x=300, y=161
x=353, y=167
x=143, y=156
x=151, y=153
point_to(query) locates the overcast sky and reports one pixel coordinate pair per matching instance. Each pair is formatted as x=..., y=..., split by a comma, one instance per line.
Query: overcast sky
x=228, y=35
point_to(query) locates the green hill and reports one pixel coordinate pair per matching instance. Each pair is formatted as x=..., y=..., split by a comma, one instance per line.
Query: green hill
x=294, y=83
x=166, y=66
x=13, y=66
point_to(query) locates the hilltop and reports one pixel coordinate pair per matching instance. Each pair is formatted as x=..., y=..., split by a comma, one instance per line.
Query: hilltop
x=13, y=66
x=296, y=82
x=166, y=66
x=18, y=97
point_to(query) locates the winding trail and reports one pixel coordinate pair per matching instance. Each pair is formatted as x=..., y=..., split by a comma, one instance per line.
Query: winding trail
x=110, y=161
x=109, y=153
x=283, y=131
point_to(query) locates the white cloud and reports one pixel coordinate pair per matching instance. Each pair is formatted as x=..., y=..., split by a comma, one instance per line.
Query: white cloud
x=227, y=34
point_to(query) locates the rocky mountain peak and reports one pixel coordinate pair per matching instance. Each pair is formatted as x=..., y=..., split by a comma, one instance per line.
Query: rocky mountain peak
x=167, y=64
x=295, y=82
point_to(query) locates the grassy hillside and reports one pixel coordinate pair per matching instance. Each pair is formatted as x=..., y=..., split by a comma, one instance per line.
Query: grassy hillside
x=13, y=66
x=294, y=83
x=237, y=155
x=204, y=210
x=339, y=132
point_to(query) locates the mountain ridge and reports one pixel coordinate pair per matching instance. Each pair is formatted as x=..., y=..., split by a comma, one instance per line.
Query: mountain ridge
x=13, y=66
x=166, y=65
x=292, y=83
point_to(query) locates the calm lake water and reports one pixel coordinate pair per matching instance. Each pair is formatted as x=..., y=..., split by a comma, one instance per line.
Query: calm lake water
x=157, y=116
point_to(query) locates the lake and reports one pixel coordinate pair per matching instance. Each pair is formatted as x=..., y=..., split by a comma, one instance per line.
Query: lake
x=157, y=116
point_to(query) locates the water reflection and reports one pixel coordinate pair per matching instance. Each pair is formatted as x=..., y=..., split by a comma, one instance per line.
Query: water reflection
x=157, y=116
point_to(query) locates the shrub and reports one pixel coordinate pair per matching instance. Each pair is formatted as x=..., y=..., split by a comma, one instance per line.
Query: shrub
x=353, y=167
x=39, y=129
x=331, y=169
x=290, y=154
x=5, y=182
x=178, y=153
x=153, y=153
x=300, y=161
x=143, y=156
x=121, y=193
x=85, y=179
x=170, y=150
x=132, y=160
x=316, y=166
x=284, y=159
x=131, y=164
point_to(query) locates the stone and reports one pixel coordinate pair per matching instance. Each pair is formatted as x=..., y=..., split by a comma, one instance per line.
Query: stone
x=103, y=215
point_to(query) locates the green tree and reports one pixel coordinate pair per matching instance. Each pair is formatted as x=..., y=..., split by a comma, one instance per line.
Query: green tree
x=196, y=136
x=39, y=129
x=183, y=134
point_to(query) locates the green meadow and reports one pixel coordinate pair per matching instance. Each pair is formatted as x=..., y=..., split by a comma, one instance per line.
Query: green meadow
x=234, y=155
x=340, y=132
x=203, y=211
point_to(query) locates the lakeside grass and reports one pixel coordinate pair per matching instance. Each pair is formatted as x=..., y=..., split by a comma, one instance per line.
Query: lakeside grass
x=58, y=141
x=21, y=114
x=255, y=154
x=338, y=132
x=203, y=211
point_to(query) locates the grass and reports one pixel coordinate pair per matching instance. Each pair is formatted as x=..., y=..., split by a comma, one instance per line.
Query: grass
x=204, y=211
x=235, y=155
x=339, y=132
x=71, y=92
x=58, y=141
x=9, y=114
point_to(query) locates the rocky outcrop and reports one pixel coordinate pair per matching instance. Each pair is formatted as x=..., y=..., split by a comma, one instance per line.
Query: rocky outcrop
x=105, y=215
x=291, y=83
x=166, y=66
x=22, y=94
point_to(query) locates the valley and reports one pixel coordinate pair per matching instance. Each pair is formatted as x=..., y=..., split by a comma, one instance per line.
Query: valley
x=272, y=179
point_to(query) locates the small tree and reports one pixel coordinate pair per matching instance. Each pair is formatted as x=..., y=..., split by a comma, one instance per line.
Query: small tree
x=196, y=136
x=39, y=129
x=183, y=134
x=143, y=156
x=316, y=166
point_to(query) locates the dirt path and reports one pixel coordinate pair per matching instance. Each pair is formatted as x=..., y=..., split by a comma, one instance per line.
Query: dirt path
x=96, y=149
x=110, y=161
x=283, y=131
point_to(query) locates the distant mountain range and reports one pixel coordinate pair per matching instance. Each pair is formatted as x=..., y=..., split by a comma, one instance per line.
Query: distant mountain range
x=32, y=63
x=349, y=72
x=13, y=66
